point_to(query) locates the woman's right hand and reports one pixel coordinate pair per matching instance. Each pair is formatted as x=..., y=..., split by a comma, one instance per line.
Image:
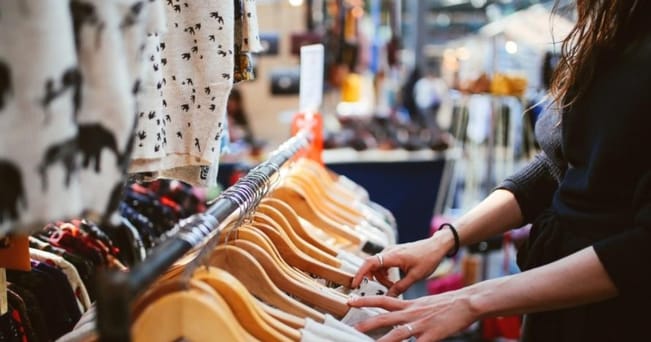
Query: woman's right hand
x=417, y=260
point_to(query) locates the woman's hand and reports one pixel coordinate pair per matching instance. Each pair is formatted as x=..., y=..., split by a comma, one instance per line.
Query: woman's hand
x=416, y=259
x=430, y=318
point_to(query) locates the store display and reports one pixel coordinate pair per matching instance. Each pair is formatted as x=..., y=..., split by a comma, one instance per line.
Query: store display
x=117, y=221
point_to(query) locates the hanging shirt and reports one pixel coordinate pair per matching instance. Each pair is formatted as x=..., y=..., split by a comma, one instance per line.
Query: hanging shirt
x=67, y=106
x=181, y=138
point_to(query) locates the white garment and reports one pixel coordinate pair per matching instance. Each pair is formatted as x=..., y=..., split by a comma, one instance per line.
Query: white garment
x=250, y=29
x=350, y=258
x=338, y=325
x=357, y=315
x=318, y=332
x=67, y=109
x=182, y=139
x=311, y=336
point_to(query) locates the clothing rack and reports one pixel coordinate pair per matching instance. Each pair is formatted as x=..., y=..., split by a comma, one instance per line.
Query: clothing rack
x=116, y=290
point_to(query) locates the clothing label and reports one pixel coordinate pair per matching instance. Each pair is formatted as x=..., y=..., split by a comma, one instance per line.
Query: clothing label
x=4, y=307
x=14, y=255
x=311, y=82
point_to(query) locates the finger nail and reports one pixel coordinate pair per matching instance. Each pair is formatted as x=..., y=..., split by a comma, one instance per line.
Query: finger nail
x=352, y=299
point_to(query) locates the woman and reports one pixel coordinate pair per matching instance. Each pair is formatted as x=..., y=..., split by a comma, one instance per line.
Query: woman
x=588, y=194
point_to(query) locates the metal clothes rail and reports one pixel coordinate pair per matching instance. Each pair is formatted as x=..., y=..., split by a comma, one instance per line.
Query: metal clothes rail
x=117, y=290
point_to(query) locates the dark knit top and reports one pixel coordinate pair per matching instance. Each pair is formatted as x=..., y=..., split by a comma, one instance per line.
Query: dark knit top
x=594, y=173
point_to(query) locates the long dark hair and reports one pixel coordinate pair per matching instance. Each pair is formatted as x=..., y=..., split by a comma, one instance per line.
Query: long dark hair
x=604, y=28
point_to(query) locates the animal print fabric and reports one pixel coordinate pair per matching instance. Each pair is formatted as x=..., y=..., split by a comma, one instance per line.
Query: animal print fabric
x=181, y=121
x=68, y=80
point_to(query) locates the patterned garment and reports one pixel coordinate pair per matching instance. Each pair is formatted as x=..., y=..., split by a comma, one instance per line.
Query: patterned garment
x=181, y=122
x=67, y=106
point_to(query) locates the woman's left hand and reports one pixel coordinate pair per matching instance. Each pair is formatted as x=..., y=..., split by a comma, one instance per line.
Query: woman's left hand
x=430, y=318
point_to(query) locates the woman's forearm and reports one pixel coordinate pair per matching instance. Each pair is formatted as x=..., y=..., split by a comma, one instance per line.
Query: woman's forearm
x=496, y=214
x=577, y=279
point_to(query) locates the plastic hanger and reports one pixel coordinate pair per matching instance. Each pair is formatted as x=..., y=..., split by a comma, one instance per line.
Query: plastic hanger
x=243, y=306
x=331, y=303
x=300, y=260
x=292, y=218
x=197, y=313
x=272, y=216
x=243, y=266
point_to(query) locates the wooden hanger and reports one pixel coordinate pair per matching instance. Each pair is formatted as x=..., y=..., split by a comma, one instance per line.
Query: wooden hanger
x=289, y=319
x=243, y=266
x=292, y=218
x=244, y=306
x=305, y=210
x=300, y=260
x=197, y=313
x=254, y=235
x=329, y=179
x=343, y=200
x=341, y=212
x=273, y=217
x=331, y=303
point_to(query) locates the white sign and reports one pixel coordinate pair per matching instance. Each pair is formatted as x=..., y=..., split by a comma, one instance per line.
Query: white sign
x=311, y=91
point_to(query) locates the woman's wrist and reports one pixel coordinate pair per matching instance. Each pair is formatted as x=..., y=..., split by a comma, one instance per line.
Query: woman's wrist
x=480, y=298
x=443, y=240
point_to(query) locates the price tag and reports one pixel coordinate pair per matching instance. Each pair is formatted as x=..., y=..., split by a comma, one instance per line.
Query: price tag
x=311, y=81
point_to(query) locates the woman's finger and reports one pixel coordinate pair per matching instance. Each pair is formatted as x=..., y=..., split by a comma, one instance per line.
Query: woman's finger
x=387, y=303
x=402, y=285
x=399, y=333
x=382, y=276
x=388, y=319
x=370, y=265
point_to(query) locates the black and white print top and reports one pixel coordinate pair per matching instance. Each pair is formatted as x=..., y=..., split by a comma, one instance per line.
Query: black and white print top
x=182, y=119
x=67, y=106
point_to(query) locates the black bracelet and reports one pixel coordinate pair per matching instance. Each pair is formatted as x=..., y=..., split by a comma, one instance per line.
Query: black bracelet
x=457, y=244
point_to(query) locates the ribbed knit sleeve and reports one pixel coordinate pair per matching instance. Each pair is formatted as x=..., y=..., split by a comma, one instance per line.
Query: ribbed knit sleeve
x=533, y=186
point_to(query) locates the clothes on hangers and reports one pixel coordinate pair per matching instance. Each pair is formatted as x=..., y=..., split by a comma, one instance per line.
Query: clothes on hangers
x=49, y=300
x=181, y=140
x=69, y=73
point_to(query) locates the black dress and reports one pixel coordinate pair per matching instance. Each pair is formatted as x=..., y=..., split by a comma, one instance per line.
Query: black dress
x=591, y=186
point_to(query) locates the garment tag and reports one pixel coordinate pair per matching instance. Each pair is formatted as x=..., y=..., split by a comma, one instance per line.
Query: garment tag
x=14, y=253
x=4, y=306
x=311, y=82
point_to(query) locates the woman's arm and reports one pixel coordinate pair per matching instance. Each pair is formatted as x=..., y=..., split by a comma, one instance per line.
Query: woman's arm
x=574, y=280
x=577, y=279
x=495, y=214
